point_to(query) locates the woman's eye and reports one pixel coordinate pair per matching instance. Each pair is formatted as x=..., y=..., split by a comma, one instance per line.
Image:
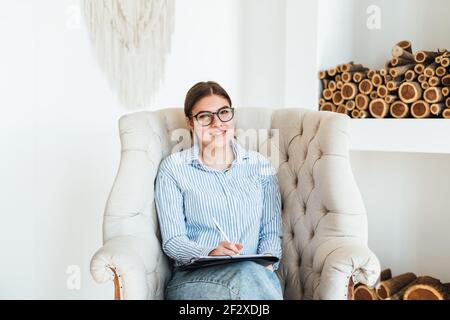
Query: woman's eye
x=224, y=112
x=203, y=116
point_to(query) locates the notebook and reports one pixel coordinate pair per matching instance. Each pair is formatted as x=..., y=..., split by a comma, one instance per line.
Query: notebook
x=206, y=261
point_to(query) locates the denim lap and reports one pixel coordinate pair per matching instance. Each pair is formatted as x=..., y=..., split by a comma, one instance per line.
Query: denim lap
x=246, y=280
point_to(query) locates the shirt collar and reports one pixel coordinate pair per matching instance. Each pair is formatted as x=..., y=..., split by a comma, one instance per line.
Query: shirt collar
x=239, y=152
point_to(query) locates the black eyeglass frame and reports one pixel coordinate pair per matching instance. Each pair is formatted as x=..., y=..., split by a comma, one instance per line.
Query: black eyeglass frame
x=214, y=113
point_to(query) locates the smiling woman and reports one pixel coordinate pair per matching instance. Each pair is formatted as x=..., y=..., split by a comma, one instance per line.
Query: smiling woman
x=218, y=180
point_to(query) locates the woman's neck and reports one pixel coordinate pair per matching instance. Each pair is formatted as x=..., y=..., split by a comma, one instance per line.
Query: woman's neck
x=221, y=156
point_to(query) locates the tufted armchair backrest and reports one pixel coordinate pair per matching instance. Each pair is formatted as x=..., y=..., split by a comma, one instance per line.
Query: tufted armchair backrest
x=310, y=151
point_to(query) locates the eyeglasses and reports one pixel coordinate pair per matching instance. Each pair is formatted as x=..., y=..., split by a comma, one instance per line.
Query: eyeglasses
x=205, y=118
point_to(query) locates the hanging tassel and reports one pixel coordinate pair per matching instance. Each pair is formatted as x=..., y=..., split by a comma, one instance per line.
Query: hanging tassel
x=131, y=39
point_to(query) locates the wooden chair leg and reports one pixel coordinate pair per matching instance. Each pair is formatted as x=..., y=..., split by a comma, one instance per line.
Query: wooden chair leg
x=351, y=290
x=117, y=286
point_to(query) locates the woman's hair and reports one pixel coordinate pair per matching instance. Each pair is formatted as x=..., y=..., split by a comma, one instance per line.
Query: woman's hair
x=201, y=90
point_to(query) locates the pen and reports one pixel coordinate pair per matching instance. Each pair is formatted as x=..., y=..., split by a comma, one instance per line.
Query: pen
x=220, y=229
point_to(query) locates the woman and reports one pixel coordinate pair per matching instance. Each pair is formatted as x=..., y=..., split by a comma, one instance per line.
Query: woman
x=217, y=179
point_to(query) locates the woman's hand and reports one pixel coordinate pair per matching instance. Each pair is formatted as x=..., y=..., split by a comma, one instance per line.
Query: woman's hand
x=226, y=248
x=270, y=267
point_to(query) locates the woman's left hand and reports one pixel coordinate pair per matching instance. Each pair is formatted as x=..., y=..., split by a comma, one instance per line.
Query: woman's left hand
x=270, y=267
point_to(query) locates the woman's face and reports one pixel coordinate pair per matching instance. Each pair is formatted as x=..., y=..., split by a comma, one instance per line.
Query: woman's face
x=218, y=133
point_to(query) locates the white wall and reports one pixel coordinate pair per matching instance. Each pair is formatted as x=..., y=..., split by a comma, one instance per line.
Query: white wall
x=408, y=204
x=59, y=133
x=264, y=52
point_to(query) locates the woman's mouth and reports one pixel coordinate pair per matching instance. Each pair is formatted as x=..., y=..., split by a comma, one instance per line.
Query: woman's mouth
x=218, y=133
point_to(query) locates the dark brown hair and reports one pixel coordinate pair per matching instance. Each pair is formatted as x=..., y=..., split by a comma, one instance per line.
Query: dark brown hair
x=201, y=90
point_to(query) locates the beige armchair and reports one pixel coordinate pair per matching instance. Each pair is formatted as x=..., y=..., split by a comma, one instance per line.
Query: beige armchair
x=325, y=227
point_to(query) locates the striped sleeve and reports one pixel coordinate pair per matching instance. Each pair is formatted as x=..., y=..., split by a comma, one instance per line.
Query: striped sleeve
x=169, y=204
x=271, y=230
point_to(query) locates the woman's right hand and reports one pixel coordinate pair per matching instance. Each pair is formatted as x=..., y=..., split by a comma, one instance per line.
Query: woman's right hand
x=226, y=248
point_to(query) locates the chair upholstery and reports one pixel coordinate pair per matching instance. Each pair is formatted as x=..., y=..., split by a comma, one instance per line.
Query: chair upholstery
x=324, y=218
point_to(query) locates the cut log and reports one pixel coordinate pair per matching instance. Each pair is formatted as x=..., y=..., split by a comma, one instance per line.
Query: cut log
x=420, y=109
x=398, y=71
x=338, y=78
x=337, y=98
x=422, y=56
x=378, y=108
x=382, y=91
x=327, y=94
x=399, y=110
x=363, y=114
x=405, y=45
x=371, y=73
x=377, y=80
x=362, y=101
x=358, y=77
x=394, y=85
x=396, y=62
x=322, y=74
x=409, y=92
x=391, y=286
x=398, y=52
x=328, y=106
x=332, y=85
x=425, y=85
x=446, y=113
x=427, y=288
x=419, y=68
x=437, y=108
x=447, y=102
x=339, y=85
x=430, y=70
x=385, y=274
x=342, y=109
x=445, y=62
x=445, y=91
x=363, y=292
x=349, y=90
x=441, y=71
x=373, y=95
x=350, y=105
x=446, y=80
x=355, y=113
x=422, y=78
x=433, y=95
x=410, y=75
x=346, y=76
x=332, y=72
x=350, y=67
x=365, y=86
x=434, y=81
x=390, y=98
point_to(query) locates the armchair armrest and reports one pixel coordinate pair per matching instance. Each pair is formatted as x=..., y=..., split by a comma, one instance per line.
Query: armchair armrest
x=344, y=264
x=125, y=260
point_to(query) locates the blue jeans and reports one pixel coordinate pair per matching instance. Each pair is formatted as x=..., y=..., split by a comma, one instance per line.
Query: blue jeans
x=244, y=280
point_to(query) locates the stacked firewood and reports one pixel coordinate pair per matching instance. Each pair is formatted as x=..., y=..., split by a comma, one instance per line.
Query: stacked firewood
x=406, y=286
x=411, y=85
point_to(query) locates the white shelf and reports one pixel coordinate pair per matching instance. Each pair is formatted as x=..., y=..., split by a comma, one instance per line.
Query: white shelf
x=400, y=135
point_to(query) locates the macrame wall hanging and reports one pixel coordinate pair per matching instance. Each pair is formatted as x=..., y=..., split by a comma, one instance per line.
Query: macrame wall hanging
x=131, y=39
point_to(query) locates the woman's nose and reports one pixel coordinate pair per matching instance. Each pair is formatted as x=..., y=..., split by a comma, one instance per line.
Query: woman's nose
x=216, y=121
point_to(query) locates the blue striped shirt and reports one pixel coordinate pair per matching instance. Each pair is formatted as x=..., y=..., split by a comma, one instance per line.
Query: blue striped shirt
x=244, y=199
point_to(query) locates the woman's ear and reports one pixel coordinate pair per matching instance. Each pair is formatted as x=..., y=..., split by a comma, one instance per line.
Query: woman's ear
x=189, y=123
